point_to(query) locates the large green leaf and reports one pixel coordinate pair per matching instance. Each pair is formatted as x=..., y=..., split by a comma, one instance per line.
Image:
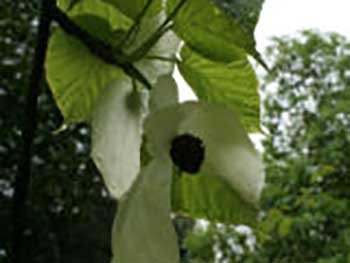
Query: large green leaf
x=77, y=77
x=64, y=4
x=231, y=177
x=143, y=231
x=132, y=8
x=233, y=84
x=210, y=198
x=116, y=134
x=213, y=32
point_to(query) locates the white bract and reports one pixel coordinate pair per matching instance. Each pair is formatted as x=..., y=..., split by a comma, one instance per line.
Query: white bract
x=117, y=122
x=164, y=93
x=143, y=231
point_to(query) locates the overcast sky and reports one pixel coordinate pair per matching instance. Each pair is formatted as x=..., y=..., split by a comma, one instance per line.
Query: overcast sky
x=281, y=17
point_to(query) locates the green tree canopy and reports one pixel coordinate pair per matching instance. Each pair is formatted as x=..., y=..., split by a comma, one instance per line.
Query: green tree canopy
x=307, y=107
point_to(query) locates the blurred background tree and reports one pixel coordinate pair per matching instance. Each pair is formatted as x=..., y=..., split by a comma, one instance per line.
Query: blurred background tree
x=305, y=214
x=69, y=210
x=307, y=115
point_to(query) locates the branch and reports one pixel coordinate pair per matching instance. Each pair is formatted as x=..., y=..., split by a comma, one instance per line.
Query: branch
x=173, y=14
x=98, y=48
x=162, y=29
x=135, y=27
x=22, y=180
x=95, y=45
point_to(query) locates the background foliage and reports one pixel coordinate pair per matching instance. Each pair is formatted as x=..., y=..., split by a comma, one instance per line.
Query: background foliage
x=67, y=198
x=307, y=198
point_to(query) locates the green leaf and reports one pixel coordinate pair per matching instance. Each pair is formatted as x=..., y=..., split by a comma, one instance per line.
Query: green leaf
x=231, y=177
x=132, y=8
x=116, y=134
x=215, y=33
x=76, y=77
x=285, y=226
x=321, y=172
x=233, y=84
x=164, y=93
x=143, y=231
x=64, y=4
x=103, y=10
x=210, y=198
x=246, y=13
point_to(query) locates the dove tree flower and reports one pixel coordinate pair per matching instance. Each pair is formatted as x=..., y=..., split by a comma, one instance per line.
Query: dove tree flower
x=109, y=63
x=143, y=230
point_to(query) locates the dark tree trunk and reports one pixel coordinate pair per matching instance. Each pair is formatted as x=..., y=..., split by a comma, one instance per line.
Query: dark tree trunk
x=22, y=181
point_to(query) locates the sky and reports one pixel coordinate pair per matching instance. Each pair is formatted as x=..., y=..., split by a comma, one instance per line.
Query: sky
x=281, y=17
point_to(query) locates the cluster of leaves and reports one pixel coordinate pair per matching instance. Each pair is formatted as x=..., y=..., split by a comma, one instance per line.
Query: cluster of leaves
x=110, y=64
x=306, y=216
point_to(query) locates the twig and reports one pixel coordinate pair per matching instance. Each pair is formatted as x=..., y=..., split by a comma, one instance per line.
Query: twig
x=134, y=28
x=173, y=13
x=162, y=29
x=146, y=47
x=165, y=59
x=95, y=45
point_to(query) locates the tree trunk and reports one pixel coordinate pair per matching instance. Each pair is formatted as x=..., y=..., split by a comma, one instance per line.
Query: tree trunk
x=22, y=181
